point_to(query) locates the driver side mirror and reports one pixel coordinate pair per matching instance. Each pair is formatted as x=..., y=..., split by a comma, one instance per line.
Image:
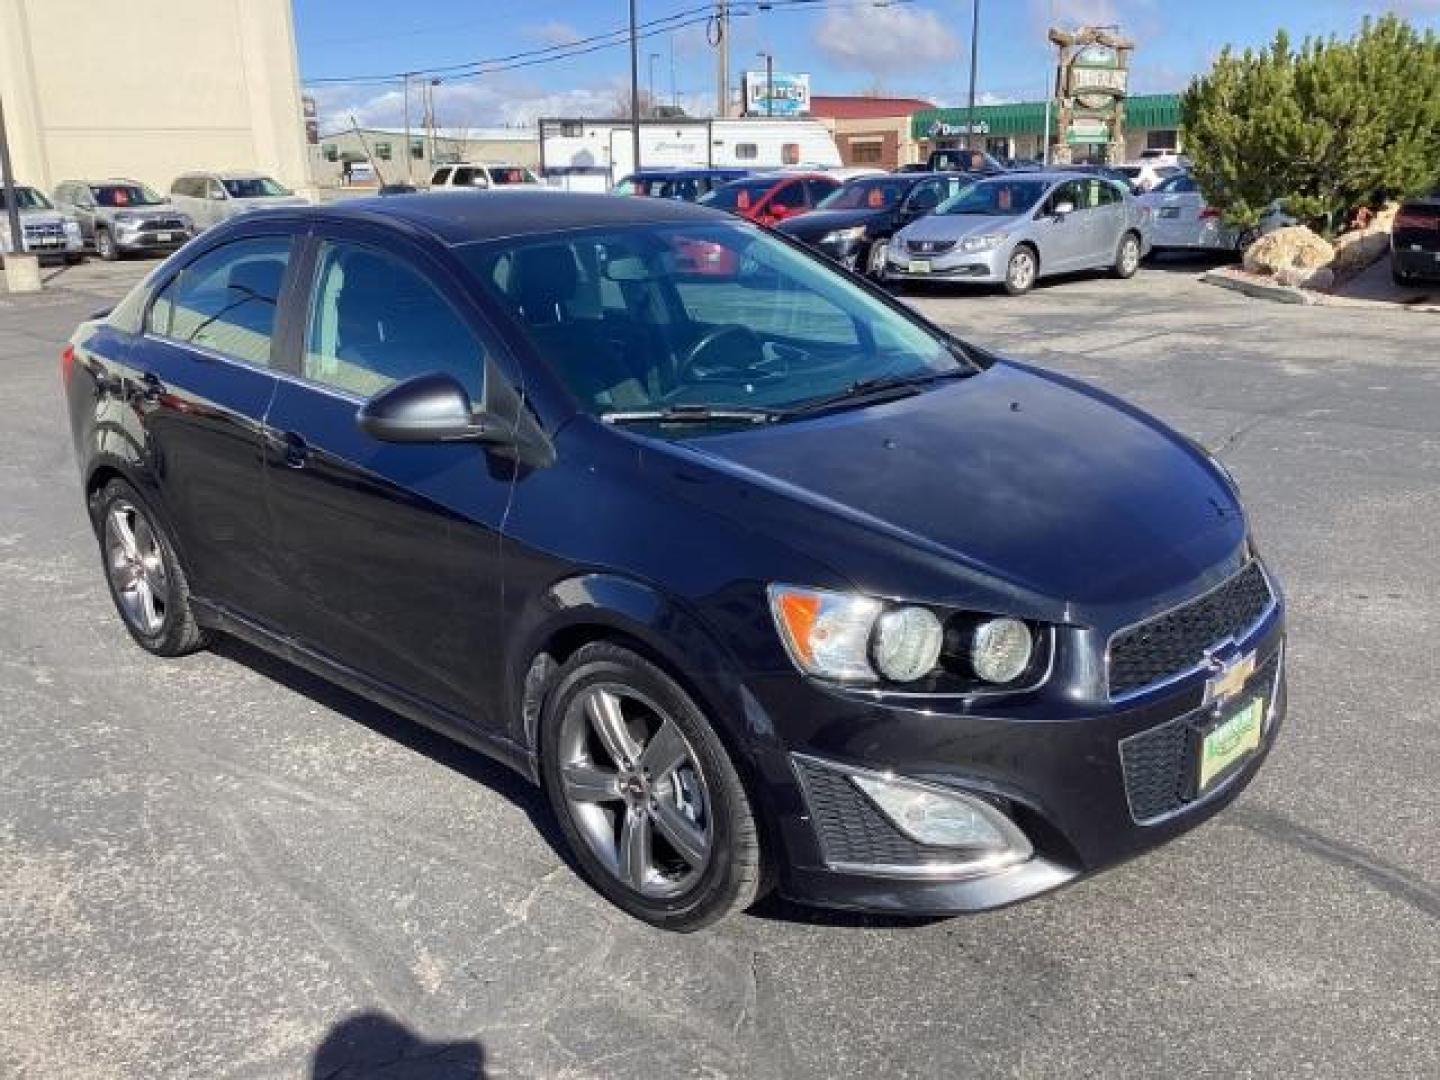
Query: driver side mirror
x=435, y=408
x=1064, y=209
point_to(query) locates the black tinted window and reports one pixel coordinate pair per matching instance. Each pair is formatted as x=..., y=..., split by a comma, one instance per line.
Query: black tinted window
x=226, y=301
x=375, y=321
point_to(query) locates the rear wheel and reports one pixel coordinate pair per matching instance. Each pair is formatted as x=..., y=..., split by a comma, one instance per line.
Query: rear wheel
x=1021, y=270
x=645, y=792
x=1400, y=277
x=146, y=580
x=1127, y=256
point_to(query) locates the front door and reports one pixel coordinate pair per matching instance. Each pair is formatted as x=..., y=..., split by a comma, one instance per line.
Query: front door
x=203, y=382
x=1063, y=242
x=392, y=550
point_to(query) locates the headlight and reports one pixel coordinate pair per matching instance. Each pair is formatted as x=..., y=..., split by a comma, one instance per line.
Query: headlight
x=983, y=243
x=72, y=228
x=827, y=634
x=844, y=236
x=907, y=643
x=1000, y=650
x=186, y=220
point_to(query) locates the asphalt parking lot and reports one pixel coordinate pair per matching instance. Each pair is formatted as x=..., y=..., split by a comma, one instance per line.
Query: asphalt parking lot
x=219, y=867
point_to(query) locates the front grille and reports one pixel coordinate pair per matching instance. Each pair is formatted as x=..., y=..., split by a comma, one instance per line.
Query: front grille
x=928, y=247
x=44, y=231
x=1159, y=764
x=162, y=225
x=1175, y=641
x=851, y=828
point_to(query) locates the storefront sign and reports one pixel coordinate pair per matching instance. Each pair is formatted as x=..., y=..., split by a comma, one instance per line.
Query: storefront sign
x=941, y=130
x=781, y=94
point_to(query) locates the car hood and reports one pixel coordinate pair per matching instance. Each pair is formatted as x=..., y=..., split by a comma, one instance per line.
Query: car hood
x=1034, y=483
x=817, y=223
x=957, y=226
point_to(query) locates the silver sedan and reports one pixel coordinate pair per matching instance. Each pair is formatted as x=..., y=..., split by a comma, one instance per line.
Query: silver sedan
x=1013, y=230
x=1183, y=220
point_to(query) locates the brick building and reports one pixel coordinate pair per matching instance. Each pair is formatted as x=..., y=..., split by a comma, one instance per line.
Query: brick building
x=871, y=130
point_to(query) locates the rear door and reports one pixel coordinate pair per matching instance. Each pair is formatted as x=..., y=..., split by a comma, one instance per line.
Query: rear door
x=1107, y=221
x=203, y=372
x=391, y=550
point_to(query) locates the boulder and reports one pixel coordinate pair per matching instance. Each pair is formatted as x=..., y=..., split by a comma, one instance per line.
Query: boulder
x=1354, y=251
x=1286, y=251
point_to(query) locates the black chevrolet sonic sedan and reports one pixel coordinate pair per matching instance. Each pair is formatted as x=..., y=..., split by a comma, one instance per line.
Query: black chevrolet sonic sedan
x=766, y=580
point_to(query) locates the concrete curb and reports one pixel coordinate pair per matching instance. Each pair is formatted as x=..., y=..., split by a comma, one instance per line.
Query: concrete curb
x=1260, y=290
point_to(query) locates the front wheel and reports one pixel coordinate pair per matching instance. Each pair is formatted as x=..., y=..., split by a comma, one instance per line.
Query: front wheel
x=875, y=260
x=646, y=794
x=105, y=245
x=1127, y=256
x=1020, y=271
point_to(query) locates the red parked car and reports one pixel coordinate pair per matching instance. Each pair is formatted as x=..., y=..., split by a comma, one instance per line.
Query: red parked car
x=768, y=199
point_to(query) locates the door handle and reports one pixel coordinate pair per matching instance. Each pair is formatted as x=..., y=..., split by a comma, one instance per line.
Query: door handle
x=294, y=449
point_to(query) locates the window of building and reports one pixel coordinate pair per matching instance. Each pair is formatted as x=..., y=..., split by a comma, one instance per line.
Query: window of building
x=226, y=301
x=746, y=151
x=382, y=151
x=331, y=151
x=375, y=321
x=571, y=129
x=790, y=153
x=1162, y=139
x=998, y=147
x=867, y=151
x=417, y=148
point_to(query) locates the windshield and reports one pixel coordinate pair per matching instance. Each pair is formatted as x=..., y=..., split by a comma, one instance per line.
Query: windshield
x=253, y=187
x=738, y=196
x=124, y=195
x=26, y=198
x=867, y=194
x=997, y=198
x=706, y=315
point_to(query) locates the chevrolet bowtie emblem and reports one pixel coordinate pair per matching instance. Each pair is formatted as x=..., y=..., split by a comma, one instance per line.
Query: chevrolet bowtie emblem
x=1228, y=678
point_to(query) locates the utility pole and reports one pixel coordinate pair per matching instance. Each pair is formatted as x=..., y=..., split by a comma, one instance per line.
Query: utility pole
x=22, y=271
x=634, y=92
x=407, y=127
x=974, y=54
x=769, y=84
x=722, y=58
x=674, y=97
x=651, y=62
x=434, y=136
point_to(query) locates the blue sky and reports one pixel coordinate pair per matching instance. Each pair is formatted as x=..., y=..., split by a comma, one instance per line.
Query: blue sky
x=918, y=47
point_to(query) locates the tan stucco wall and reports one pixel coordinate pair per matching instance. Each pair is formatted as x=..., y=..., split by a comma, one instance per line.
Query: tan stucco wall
x=150, y=89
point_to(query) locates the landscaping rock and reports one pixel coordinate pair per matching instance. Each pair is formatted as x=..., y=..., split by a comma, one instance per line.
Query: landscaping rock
x=1283, y=252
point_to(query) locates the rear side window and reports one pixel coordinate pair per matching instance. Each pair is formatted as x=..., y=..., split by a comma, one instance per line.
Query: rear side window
x=789, y=195
x=468, y=178
x=747, y=151
x=440, y=176
x=375, y=321
x=225, y=301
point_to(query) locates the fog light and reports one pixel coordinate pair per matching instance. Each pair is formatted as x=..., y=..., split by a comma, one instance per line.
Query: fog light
x=945, y=819
x=907, y=643
x=1000, y=651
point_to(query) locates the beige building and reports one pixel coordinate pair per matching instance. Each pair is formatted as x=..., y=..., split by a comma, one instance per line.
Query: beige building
x=149, y=89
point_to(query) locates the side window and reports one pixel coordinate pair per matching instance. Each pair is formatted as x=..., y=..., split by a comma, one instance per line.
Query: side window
x=375, y=321
x=469, y=178
x=440, y=176
x=818, y=189
x=926, y=196
x=790, y=195
x=1065, y=193
x=213, y=190
x=746, y=151
x=226, y=301
x=1109, y=194
x=790, y=153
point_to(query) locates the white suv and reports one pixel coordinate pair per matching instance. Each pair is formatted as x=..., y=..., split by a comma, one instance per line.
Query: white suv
x=466, y=175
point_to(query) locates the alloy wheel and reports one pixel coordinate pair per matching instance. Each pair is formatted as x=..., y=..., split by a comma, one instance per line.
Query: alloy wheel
x=1022, y=270
x=105, y=245
x=136, y=567
x=875, y=261
x=634, y=788
x=1129, y=256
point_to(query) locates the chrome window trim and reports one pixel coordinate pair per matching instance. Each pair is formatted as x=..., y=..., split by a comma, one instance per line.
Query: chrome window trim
x=1181, y=676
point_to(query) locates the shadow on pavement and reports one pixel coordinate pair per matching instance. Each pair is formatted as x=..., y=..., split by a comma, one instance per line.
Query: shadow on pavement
x=375, y=1045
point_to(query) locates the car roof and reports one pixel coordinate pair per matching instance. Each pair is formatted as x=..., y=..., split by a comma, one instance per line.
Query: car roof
x=467, y=217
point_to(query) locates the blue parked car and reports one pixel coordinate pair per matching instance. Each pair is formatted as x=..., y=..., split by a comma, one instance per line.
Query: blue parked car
x=766, y=580
x=686, y=185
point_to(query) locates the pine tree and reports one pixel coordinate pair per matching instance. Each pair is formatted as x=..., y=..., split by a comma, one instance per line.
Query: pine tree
x=1325, y=128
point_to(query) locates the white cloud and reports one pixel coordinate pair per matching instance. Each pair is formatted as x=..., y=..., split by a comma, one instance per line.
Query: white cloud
x=553, y=32
x=887, y=40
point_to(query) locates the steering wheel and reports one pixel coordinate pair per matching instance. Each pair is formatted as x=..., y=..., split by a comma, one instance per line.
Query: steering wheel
x=743, y=361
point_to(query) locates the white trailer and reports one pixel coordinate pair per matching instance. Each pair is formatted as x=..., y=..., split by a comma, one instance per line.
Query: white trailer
x=596, y=154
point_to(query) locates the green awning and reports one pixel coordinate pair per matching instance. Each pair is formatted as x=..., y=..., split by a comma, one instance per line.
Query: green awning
x=1028, y=117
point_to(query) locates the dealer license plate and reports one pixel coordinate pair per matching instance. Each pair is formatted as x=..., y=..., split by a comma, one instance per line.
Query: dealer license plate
x=164, y=237
x=1169, y=211
x=919, y=266
x=1230, y=741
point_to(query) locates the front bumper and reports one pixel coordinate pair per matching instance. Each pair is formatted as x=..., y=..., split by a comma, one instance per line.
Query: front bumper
x=132, y=240
x=1080, y=784
x=985, y=267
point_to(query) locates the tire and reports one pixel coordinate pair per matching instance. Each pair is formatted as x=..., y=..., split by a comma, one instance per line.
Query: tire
x=1127, y=256
x=602, y=720
x=165, y=624
x=1022, y=270
x=875, y=260
x=105, y=245
x=1398, y=276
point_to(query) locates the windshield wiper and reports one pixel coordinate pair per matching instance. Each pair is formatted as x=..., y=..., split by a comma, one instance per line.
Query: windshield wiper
x=879, y=388
x=693, y=414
